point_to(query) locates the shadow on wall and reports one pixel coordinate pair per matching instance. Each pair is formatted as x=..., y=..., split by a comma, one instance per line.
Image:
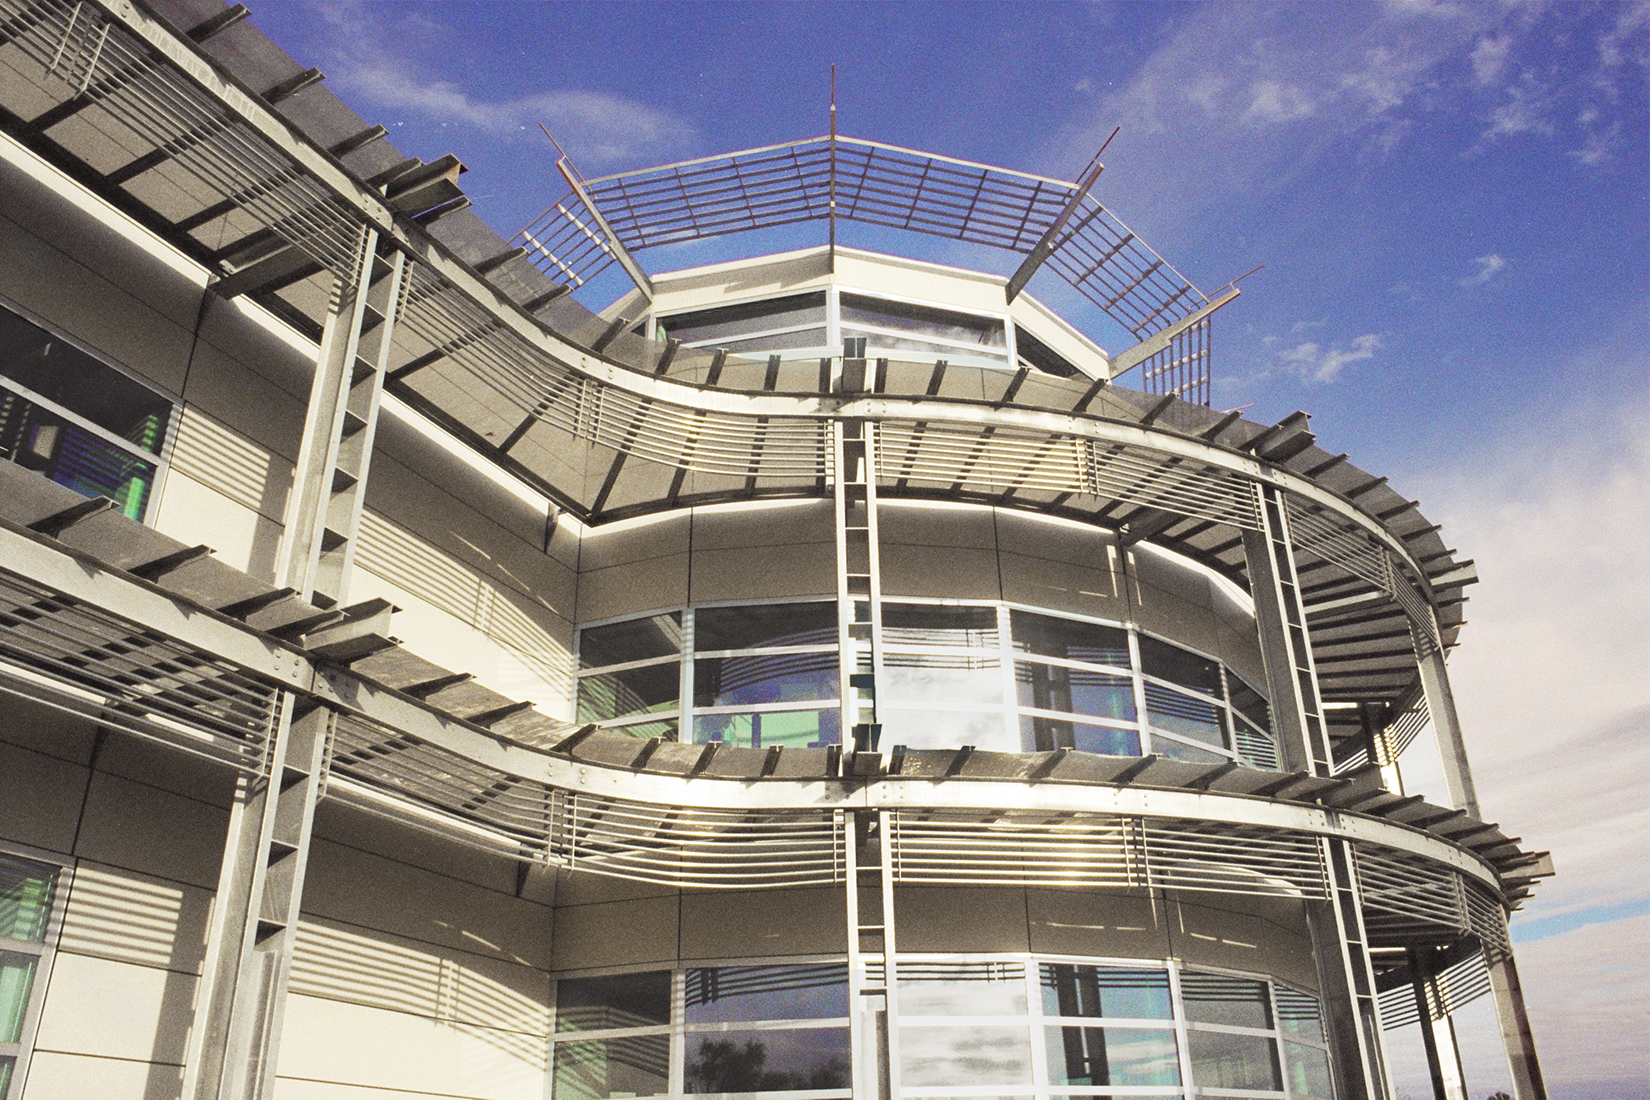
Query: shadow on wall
x=500, y=1003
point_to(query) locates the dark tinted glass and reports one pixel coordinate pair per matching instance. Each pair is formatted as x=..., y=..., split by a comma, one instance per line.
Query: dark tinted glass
x=925, y=624
x=33, y=436
x=791, y=1060
x=635, y=640
x=793, y=728
x=1048, y=636
x=1039, y=734
x=717, y=628
x=764, y=678
x=1249, y=703
x=62, y=373
x=1176, y=665
x=620, y=1000
x=1074, y=690
x=744, y=994
x=745, y=318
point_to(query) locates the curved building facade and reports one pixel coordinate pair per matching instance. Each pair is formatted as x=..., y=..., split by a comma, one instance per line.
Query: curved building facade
x=817, y=676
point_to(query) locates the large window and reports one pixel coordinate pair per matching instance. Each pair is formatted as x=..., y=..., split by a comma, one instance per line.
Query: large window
x=29, y=892
x=78, y=420
x=968, y=1026
x=988, y=675
x=823, y=321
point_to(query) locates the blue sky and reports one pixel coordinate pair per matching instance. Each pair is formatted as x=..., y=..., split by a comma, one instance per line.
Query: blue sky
x=1452, y=204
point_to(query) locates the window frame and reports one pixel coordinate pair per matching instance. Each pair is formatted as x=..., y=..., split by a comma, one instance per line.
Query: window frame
x=161, y=459
x=999, y=655
x=1034, y=1021
x=45, y=952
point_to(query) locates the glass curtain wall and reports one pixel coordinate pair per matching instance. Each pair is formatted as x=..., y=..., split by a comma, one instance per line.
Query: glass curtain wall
x=969, y=1026
x=993, y=676
x=822, y=321
x=28, y=890
x=76, y=420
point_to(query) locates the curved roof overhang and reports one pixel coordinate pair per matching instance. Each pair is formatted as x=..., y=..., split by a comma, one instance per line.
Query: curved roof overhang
x=206, y=133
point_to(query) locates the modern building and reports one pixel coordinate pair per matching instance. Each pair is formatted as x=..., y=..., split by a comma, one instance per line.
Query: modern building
x=818, y=675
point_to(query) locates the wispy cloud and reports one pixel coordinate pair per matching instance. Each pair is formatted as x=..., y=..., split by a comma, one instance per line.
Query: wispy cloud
x=1553, y=677
x=378, y=58
x=1311, y=361
x=1488, y=267
x=1266, y=94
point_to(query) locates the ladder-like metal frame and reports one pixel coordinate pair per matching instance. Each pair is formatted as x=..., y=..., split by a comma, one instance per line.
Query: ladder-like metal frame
x=873, y=981
x=1297, y=708
x=233, y=1049
x=858, y=580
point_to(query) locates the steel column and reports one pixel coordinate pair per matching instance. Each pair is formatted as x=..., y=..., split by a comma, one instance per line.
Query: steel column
x=1516, y=1036
x=873, y=1014
x=1338, y=935
x=234, y=1043
x=1280, y=619
x=859, y=584
x=1437, y=1029
x=1452, y=750
x=317, y=546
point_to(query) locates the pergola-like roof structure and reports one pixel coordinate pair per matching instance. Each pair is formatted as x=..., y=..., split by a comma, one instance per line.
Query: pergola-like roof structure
x=187, y=118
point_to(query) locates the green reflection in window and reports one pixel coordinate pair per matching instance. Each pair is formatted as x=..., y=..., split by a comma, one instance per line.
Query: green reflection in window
x=1227, y=1060
x=645, y=690
x=1112, y=1056
x=611, y=1069
x=1308, y=1071
x=1117, y=992
x=25, y=898
x=16, y=979
x=791, y=728
x=1298, y=1014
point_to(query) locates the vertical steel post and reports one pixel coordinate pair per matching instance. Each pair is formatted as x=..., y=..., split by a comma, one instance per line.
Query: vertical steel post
x=235, y=1042
x=1516, y=1036
x=318, y=544
x=859, y=585
x=236, y=1036
x=1340, y=943
x=1437, y=1029
x=873, y=1013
